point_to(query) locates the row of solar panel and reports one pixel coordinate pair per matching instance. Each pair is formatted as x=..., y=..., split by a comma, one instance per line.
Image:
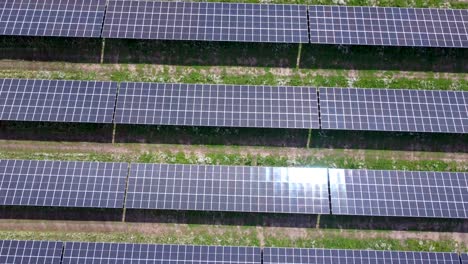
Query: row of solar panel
x=236, y=22
x=51, y=252
x=234, y=188
x=234, y=106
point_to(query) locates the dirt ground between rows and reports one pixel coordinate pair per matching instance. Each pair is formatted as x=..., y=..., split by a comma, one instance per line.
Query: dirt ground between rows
x=104, y=71
x=262, y=233
x=138, y=149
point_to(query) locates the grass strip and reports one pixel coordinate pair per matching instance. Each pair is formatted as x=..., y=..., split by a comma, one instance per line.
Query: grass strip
x=246, y=237
x=259, y=76
x=395, y=3
x=371, y=160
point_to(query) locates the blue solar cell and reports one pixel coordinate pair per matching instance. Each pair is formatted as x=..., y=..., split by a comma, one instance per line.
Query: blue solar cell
x=344, y=256
x=62, y=183
x=388, y=26
x=394, y=110
x=399, y=193
x=464, y=258
x=64, y=18
x=87, y=253
x=57, y=101
x=206, y=21
x=217, y=105
x=30, y=252
x=228, y=188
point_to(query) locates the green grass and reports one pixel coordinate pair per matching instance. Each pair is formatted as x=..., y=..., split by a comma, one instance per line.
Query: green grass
x=51, y=75
x=231, y=238
x=338, y=160
x=247, y=236
x=335, y=241
x=396, y=3
x=262, y=76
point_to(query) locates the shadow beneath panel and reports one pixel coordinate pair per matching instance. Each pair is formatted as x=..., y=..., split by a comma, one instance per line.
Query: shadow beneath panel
x=48, y=131
x=434, y=142
x=220, y=218
x=394, y=223
x=207, y=53
x=384, y=58
x=50, y=49
x=200, y=53
x=211, y=135
x=60, y=213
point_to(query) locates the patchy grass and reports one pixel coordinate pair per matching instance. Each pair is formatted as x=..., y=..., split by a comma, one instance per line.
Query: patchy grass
x=395, y=3
x=52, y=75
x=194, y=237
x=247, y=236
x=372, y=160
x=267, y=76
x=256, y=76
x=334, y=241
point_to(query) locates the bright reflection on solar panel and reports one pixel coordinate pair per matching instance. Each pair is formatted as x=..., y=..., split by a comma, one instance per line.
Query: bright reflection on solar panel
x=399, y=193
x=307, y=175
x=228, y=188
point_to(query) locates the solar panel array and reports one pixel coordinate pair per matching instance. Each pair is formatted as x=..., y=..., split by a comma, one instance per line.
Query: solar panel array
x=394, y=110
x=66, y=18
x=234, y=106
x=206, y=21
x=57, y=101
x=399, y=193
x=228, y=188
x=342, y=256
x=217, y=105
x=388, y=26
x=30, y=252
x=62, y=183
x=83, y=252
x=50, y=252
x=169, y=20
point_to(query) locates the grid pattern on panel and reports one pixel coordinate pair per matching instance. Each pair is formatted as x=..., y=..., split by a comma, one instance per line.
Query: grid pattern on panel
x=341, y=256
x=388, y=26
x=67, y=18
x=83, y=252
x=57, y=101
x=394, y=110
x=206, y=21
x=399, y=193
x=30, y=252
x=228, y=188
x=464, y=258
x=217, y=105
x=62, y=183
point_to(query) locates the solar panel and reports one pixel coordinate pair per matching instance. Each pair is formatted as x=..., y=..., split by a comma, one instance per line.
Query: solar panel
x=57, y=101
x=228, y=188
x=217, y=105
x=62, y=183
x=394, y=110
x=66, y=18
x=83, y=253
x=464, y=258
x=388, y=26
x=30, y=252
x=343, y=256
x=399, y=193
x=206, y=21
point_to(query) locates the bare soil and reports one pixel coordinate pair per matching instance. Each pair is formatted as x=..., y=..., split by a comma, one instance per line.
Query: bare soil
x=161, y=229
x=137, y=149
x=104, y=71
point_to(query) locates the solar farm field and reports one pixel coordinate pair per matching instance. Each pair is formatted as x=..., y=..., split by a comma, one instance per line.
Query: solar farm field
x=233, y=131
